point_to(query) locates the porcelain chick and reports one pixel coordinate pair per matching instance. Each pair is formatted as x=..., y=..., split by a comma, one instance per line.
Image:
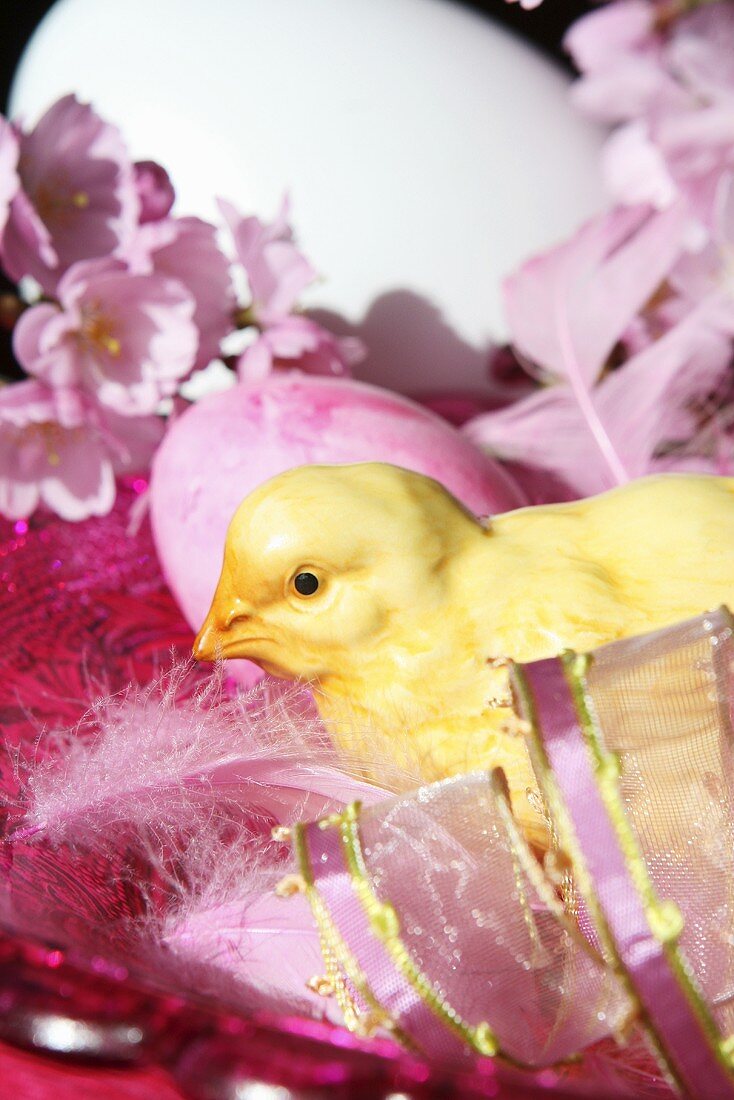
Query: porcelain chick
x=401, y=608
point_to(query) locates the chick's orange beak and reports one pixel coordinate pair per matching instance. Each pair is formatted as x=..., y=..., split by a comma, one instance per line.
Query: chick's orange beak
x=209, y=640
x=227, y=630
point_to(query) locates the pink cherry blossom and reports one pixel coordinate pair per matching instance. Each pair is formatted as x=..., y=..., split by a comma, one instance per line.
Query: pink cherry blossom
x=276, y=270
x=635, y=169
x=155, y=191
x=671, y=84
x=77, y=198
x=599, y=40
x=700, y=52
x=277, y=273
x=186, y=249
x=620, y=55
x=299, y=342
x=9, y=180
x=124, y=339
x=65, y=456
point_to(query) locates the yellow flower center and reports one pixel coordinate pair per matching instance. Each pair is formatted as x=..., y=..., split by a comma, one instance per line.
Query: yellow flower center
x=97, y=332
x=49, y=436
x=55, y=202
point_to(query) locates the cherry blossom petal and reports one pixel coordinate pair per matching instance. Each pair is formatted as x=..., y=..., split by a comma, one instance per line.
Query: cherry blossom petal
x=29, y=334
x=635, y=170
x=624, y=92
x=19, y=491
x=41, y=347
x=9, y=179
x=82, y=483
x=27, y=245
x=78, y=197
x=701, y=50
x=256, y=362
x=597, y=40
x=187, y=250
x=131, y=441
x=276, y=270
x=298, y=342
x=124, y=339
x=154, y=189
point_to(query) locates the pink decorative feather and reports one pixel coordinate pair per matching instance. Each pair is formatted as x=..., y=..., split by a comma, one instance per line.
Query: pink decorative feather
x=568, y=309
x=165, y=754
x=569, y=306
x=225, y=937
x=188, y=780
x=641, y=406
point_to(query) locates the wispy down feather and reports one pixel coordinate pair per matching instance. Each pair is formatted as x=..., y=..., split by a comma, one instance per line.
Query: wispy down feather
x=186, y=781
x=225, y=930
x=162, y=756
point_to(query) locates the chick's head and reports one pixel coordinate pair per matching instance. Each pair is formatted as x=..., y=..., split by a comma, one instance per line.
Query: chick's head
x=322, y=563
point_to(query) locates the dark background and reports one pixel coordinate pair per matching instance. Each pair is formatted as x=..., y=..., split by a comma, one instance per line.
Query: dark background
x=544, y=26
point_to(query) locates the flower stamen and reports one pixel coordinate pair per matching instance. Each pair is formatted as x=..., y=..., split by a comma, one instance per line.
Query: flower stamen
x=97, y=333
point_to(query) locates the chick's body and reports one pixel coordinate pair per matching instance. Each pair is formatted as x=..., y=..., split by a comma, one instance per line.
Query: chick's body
x=418, y=604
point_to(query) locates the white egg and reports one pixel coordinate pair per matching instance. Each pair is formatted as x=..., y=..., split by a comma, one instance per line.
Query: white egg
x=427, y=150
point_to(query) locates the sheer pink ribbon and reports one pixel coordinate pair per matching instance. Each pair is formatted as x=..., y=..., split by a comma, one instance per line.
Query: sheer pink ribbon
x=390, y=988
x=623, y=911
x=672, y=1017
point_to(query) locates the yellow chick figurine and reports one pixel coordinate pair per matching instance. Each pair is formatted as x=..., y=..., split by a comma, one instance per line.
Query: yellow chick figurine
x=400, y=607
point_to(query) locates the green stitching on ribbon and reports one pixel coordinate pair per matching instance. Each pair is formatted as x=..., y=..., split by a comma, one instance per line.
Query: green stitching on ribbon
x=385, y=925
x=664, y=917
x=567, y=834
x=339, y=960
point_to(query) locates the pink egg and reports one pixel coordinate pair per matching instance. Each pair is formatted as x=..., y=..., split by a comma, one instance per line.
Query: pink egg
x=227, y=444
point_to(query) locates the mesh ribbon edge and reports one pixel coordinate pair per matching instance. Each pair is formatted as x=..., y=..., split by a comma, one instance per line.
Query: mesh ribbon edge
x=546, y=690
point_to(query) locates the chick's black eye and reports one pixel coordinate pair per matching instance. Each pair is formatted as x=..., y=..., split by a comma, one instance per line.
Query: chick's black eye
x=306, y=583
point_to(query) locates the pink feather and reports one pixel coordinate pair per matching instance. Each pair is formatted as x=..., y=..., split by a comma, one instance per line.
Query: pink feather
x=184, y=783
x=569, y=306
x=228, y=938
x=165, y=754
x=641, y=405
x=568, y=309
